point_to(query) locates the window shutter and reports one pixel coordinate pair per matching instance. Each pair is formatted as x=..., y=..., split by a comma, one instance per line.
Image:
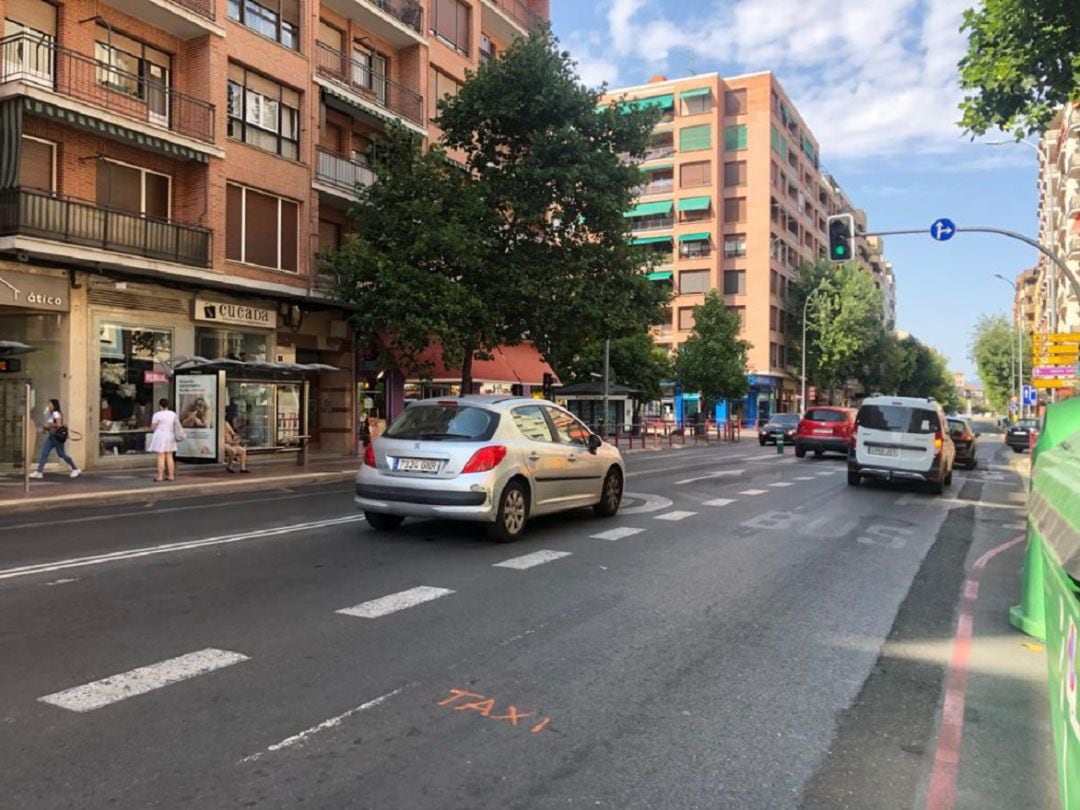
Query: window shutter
x=234, y=222
x=735, y=137
x=36, y=165
x=694, y=138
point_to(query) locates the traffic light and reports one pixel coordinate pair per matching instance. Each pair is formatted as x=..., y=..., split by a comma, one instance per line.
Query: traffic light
x=841, y=237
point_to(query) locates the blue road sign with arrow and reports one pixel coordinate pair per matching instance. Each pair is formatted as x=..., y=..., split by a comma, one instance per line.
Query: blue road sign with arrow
x=943, y=229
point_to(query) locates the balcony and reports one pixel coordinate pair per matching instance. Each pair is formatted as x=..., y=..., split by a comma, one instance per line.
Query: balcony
x=655, y=187
x=79, y=222
x=397, y=22
x=508, y=19
x=339, y=175
x=367, y=90
x=652, y=224
x=185, y=19
x=41, y=64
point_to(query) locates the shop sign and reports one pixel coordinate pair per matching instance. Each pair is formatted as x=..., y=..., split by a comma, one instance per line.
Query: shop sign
x=34, y=292
x=227, y=312
x=155, y=378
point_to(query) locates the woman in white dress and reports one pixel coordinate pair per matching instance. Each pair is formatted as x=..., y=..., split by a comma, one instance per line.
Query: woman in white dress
x=163, y=441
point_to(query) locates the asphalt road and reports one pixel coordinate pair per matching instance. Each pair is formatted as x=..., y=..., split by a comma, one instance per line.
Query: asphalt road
x=708, y=655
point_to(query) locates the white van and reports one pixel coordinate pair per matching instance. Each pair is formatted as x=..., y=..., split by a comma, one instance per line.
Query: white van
x=901, y=438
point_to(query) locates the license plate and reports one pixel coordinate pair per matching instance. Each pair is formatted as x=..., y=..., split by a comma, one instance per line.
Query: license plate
x=822, y=432
x=424, y=465
x=883, y=451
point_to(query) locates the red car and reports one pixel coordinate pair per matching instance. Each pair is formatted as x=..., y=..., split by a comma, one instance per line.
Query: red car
x=825, y=429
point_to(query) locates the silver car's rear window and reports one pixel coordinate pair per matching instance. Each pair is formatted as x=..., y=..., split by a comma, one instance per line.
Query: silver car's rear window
x=447, y=423
x=898, y=419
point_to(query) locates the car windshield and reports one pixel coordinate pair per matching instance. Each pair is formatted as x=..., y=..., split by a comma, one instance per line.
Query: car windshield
x=956, y=426
x=821, y=415
x=444, y=422
x=898, y=419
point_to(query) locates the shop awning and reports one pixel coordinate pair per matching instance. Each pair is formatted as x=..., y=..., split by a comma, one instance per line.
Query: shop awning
x=660, y=275
x=698, y=93
x=651, y=209
x=658, y=167
x=650, y=240
x=191, y=362
x=695, y=203
x=663, y=102
x=522, y=363
x=694, y=237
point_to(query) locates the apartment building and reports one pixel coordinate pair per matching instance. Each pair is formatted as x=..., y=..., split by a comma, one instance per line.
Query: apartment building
x=1059, y=222
x=734, y=199
x=1024, y=304
x=881, y=271
x=169, y=172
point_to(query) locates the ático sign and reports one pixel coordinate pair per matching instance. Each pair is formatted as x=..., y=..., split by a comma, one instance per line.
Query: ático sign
x=28, y=291
x=215, y=310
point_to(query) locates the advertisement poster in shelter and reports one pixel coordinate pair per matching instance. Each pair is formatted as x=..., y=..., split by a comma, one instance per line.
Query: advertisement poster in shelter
x=197, y=409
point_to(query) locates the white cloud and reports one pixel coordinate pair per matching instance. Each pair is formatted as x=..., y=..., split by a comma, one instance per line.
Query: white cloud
x=870, y=78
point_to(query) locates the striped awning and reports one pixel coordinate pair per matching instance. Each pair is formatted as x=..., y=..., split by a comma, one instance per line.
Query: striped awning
x=694, y=237
x=695, y=203
x=660, y=275
x=701, y=91
x=663, y=102
x=651, y=209
x=10, y=143
x=650, y=240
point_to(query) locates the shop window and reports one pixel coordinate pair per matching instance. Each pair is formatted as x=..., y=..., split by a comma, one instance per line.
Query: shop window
x=37, y=166
x=263, y=113
x=440, y=86
x=450, y=23
x=132, y=380
x=122, y=187
x=41, y=368
x=246, y=346
x=261, y=229
x=278, y=20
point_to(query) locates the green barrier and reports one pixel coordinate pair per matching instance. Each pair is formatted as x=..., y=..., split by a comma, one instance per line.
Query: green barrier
x=1050, y=608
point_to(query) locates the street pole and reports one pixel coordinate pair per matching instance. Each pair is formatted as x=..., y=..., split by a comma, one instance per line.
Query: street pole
x=1020, y=358
x=607, y=379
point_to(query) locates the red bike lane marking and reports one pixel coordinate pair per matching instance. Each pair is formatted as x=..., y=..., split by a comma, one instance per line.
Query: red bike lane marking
x=942, y=793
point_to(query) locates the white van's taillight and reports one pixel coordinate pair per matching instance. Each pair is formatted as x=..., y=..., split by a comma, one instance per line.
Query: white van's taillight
x=939, y=440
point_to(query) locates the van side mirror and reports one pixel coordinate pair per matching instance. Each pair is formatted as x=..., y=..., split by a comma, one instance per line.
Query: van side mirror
x=594, y=442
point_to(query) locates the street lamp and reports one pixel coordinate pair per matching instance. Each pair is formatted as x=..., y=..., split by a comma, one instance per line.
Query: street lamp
x=1019, y=346
x=806, y=303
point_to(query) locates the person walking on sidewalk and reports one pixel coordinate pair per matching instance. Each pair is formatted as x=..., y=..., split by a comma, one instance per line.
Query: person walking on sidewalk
x=164, y=440
x=56, y=434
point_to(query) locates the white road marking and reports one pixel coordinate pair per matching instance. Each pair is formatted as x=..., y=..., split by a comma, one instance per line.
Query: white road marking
x=167, y=548
x=804, y=478
x=772, y=521
x=531, y=560
x=827, y=472
x=63, y=581
x=676, y=515
x=782, y=484
x=616, y=534
x=716, y=474
x=753, y=492
x=653, y=503
x=893, y=537
x=139, y=681
x=719, y=502
x=394, y=602
x=1014, y=525
x=301, y=737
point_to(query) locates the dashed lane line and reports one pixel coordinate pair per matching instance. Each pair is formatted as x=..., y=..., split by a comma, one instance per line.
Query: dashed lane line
x=96, y=694
x=753, y=492
x=676, y=515
x=804, y=478
x=707, y=476
x=617, y=534
x=531, y=560
x=782, y=484
x=719, y=502
x=392, y=603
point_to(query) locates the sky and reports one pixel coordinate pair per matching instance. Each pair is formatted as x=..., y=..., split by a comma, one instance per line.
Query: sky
x=876, y=82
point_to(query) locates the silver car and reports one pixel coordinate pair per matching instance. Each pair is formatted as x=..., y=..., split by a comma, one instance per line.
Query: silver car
x=497, y=460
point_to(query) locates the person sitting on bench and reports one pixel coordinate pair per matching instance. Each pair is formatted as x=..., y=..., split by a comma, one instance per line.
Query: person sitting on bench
x=234, y=451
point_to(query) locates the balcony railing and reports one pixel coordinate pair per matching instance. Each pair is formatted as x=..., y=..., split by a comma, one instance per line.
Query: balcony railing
x=361, y=79
x=337, y=170
x=519, y=12
x=655, y=187
x=79, y=222
x=652, y=223
x=408, y=12
x=40, y=61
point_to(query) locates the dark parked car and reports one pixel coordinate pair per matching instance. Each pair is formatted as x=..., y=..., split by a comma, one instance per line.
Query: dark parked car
x=825, y=429
x=780, y=428
x=964, y=439
x=1018, y=436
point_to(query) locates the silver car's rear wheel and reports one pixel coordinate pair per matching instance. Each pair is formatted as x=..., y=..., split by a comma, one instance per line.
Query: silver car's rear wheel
x=513, y=511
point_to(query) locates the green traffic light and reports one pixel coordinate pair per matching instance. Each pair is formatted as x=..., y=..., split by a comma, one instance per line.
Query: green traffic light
x=839, y=250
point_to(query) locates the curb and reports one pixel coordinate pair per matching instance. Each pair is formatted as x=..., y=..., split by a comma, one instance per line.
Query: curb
x=150, y=495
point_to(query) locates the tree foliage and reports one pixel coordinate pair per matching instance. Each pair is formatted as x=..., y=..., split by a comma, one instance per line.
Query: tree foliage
x=511, y=227
x=713, y=359
x=993, y=351
x=635, y=361
x=1022, y=63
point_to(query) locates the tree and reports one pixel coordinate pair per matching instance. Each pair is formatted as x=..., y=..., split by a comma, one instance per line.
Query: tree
x=713, y=359
x=510, y=227
x=1022, y=63
x=993, y=351
x=844, y=324
x=635, y=361
x=928, y=374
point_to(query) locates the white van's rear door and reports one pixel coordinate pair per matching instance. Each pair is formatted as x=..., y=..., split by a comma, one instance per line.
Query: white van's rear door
x=898, y=437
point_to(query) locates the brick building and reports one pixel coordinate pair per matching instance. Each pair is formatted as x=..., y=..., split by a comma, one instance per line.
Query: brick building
x=169, y=171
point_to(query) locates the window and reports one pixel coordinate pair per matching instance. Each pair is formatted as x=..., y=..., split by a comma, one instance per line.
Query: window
x=735, y=209
x=331, y=36
x=487, y=48
x=734, y=282
x=781, y=320
x=696, y=102
x=246, y=346
x=734, y=102
x=567, y=428
x=128, y=66
x=694, y=281
x=261, y=229
x=774, y=315
x=735, y=173
x=121, y=187
x=440, y=86
x=735, y=246
x=774, y=283
x=694, y=138
x=781, y=355
x=698, y=248
x=29, y=35
x=693, y=175
x=735, y=138
x=263, y=113
x=450, y=23
x=329, y=236
x=532, y=424
x=369, y=71
x=128, y=401
x=686, y=319
x=772, y=355
x=37, y=166
x=278, y=20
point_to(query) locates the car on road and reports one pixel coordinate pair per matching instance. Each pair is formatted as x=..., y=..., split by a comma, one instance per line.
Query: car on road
x=780, y=428
x=902, y=438
x=495, y=460
x=1018, y=436
x=825, y=429
x=964, y=440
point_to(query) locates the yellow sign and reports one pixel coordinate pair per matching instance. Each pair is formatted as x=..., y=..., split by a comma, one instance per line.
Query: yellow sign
x=1057, y=337
x=1059, y=349
x=1050, y=382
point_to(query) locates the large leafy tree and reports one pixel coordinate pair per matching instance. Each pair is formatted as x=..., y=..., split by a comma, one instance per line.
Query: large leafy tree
x=713, y=359
x=844, y=324
x=993, y=351
x=1022, y=63
x=928, y=374
x=635, y=361
x=510, y=227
